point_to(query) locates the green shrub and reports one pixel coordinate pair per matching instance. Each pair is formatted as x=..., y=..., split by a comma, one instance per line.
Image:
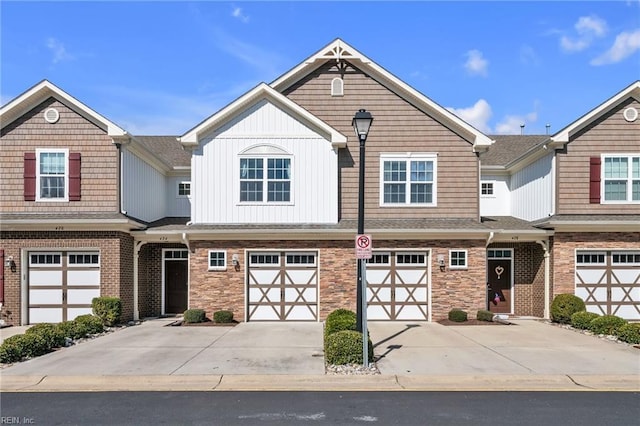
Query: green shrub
x=50, y=333
x=108, y=309
x=565, y=305
x=630, y=333
x=484, y=315
x=607, y=324
x=70, y=329
x=193, y=316
x=223, y=317
x=340, y=320
x=12, y=349
x=345, y=347
x=457, y=315
x=582, y=319
x=88, y=324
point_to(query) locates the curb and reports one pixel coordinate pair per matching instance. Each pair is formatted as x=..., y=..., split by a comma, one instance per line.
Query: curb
x=364, y=383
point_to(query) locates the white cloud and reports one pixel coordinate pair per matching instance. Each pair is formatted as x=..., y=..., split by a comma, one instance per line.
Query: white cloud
x=587, y=28
x=624, y=46
x=477, y=115
x=528, y=56
x=476, y=64
x=238, y=14
x=59, y=51
x=510, y=125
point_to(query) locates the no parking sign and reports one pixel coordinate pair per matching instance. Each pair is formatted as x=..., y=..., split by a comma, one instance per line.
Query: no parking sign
x=364, y=246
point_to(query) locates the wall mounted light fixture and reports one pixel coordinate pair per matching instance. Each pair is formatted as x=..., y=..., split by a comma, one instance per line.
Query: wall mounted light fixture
x=10, y=263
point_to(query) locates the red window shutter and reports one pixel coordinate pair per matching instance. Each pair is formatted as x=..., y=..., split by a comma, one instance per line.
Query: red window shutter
x=29, y=176
x=74, y=176
x=594, y=180
x=1, y=276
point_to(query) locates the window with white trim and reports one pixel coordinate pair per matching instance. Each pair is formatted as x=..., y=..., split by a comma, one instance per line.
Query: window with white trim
x=45, y=259
x=52, y=174
x=621, y=178
x=630, y=259
x=272, y=187
x=411, y=259
x=380, y=259
x=591, y=258
x=301, y=259
x=217, y=260
x=264, y=259
x=184, y=189
x=408, y=180
x=84, y=259
x=486, y=189
x=457, y=259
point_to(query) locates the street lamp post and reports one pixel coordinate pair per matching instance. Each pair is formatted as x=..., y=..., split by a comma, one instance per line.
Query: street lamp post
x=361, y=123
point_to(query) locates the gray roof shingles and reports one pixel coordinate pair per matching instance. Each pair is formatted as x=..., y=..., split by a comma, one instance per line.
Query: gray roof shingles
x=166, y=148
x=508, y=148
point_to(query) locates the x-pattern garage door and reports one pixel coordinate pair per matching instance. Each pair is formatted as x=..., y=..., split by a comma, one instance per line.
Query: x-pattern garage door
x=397, y=286
x=609, y=282
x=283, y=286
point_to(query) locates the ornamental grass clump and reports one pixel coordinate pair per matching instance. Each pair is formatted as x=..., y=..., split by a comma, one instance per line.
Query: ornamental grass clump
x=565, y=305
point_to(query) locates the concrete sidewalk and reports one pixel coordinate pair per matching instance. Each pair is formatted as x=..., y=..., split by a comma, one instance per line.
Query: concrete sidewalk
x=529, y=355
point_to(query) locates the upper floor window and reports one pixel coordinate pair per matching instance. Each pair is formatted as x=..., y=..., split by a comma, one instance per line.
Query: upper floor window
x=621, y=178
x=52, y=174
x=337, y=86
x=270, y=185
x=184, y=189
x=408, y=180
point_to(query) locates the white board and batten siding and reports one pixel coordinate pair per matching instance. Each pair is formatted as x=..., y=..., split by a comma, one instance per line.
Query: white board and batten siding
x=498, y=203
x=264, y=128
x=532, y=190
x=176, y=205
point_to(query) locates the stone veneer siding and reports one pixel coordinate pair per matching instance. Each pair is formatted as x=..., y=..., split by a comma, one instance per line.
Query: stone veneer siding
x=225, y=290
x=566, y=244
x=116, y=263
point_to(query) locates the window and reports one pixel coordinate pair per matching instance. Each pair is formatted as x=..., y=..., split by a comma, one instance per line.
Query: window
x=457, y=259
x=217, y=260
x=45, y=259
x=487, y=188
x=411, y=259
x=379, y=259
x=264, y=259
x=176, y=254
x=408, y=180
x=621, y=178
x=499, y=254
x=276, y=181
x=184, y=189
x=625, y=258
x=586, y=258
x=337, y=87
x=84, y=259
x=51, y=175
x=307, y=259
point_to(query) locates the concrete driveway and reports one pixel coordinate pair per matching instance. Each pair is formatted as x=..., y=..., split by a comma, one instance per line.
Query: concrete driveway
x=153, y=348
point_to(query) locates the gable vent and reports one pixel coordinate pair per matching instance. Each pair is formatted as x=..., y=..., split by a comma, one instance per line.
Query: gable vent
x=51, y=115
x=630, y=114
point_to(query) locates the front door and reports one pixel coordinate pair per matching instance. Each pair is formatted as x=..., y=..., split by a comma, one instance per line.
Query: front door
x=499, y=282
x=176, y=276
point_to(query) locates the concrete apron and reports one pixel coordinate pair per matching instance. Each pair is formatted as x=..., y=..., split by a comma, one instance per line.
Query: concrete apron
x=288, y=356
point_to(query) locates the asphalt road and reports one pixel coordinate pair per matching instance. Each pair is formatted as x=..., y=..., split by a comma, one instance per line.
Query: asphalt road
x=321, y=408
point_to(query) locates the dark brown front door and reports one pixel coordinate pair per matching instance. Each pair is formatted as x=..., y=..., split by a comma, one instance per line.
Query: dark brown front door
x=499, y=285
x=175, y=284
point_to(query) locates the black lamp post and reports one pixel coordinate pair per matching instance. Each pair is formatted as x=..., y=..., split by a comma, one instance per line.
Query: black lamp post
x=361, y=123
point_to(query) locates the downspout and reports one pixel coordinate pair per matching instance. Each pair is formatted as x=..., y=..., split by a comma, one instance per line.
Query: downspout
x=490, y=238
x=185, y=241
x=120, y=184
x=547, y=271
x=137, y=245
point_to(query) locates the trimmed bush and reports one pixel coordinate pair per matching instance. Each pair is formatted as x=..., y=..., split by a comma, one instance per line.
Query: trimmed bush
x=630, y=333
x=565, y=305
x=50, y=333
x=223, y=317
x=70, y=329
x=12, y=349
x=457, y=315
x=484, y=315
x=581, y=320
x=108, y=309
x=340, y=320
x=345, y=347
x=193, y=316
x=88, y=324
x=607, y=324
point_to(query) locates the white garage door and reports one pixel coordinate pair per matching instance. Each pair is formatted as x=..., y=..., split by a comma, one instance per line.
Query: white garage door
x=282, y=286
x=62, y=285
x=397, y=286
x=609, y=282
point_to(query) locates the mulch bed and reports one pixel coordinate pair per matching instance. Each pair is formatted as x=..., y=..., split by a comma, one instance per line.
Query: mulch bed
x=467, y=322
x=204, y=324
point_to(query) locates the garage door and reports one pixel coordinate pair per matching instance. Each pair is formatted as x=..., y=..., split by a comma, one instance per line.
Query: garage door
x=609, y=282
x=282, y=286
x=62, y=285
x=397, y=286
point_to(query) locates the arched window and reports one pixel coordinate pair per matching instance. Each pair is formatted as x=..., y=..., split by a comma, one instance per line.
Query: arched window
x=337, y=87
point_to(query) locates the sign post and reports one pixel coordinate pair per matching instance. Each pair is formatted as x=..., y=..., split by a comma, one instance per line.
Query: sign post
x=364, y=250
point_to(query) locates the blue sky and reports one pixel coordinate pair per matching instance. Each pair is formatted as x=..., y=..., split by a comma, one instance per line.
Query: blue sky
x=159, y=68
